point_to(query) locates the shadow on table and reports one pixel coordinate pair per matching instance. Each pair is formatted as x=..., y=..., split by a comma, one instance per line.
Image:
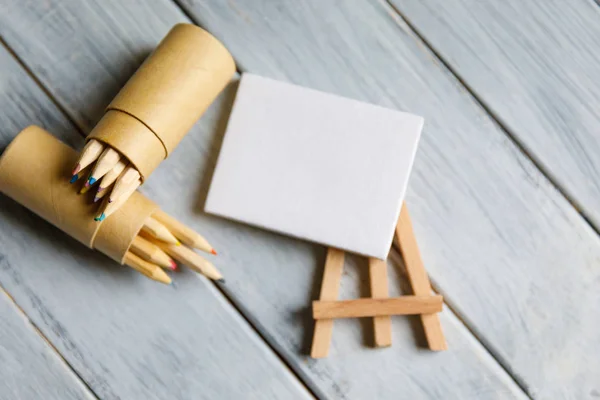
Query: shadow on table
x=17, y=220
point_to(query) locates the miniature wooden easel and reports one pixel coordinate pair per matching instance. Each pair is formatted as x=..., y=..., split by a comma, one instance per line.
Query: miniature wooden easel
x=379, y=305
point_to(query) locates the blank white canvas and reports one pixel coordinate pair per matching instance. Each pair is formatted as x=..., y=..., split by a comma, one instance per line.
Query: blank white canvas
x=314, y=165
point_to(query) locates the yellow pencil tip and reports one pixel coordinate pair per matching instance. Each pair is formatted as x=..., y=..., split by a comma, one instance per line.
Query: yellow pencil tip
x=162, y=277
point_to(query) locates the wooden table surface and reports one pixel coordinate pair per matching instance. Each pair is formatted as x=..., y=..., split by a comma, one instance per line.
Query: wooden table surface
x=505, y=199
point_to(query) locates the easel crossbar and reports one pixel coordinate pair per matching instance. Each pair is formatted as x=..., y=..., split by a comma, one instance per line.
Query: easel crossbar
x=379, y=306
x=405, y=305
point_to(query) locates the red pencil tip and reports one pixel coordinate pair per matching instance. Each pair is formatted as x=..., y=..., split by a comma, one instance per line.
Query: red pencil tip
x=214, y=252
x=173, y=266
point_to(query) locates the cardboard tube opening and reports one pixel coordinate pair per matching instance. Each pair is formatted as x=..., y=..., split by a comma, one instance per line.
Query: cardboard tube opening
x=132, y=139
x=35, y=170
x=166, y=96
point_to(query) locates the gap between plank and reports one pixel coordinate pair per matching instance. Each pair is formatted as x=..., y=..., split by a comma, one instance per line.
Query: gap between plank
x=244, y=314
x=504, y=364
x=39, y=83
x=68, y=366
x=272, y=343
x=486, y=346
x=519, y=144
x=190, y=17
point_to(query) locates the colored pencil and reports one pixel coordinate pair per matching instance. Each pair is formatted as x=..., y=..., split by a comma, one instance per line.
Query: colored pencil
x=191, y=259
x=185, y=234
x=100, y=194
x=108, y=208
x=86, y=187
x=152, y=271
x=83, y=172
x=158, y=231
x=151, y=253
x=107, y=160
x=128, y=177
x=112, y=175
x=89, y=154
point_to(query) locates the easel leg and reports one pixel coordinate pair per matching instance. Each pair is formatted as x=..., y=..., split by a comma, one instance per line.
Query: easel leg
x=334, y=265
x=379, y=289
x=418, y=278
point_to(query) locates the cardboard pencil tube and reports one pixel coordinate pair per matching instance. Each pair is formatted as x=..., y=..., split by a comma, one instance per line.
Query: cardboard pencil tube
x=165, y=97
x=34, y=171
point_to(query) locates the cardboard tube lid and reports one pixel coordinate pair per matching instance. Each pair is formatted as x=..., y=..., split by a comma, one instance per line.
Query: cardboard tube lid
x=169, y=93
x=35, y=170
x=132, y=139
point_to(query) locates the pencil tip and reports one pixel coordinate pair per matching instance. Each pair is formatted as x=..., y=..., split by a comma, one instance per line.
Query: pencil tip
x=178, y=243
x=213, y=251
x=96, y=199
x=76, y=169
x=91, y=181
x=173, y=265
x=73, y=179
x=221, y=280
x=100, y=218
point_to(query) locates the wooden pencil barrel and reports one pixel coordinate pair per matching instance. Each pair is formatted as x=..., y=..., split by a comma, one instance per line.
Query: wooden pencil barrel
x=166, y=96
x=34, y=171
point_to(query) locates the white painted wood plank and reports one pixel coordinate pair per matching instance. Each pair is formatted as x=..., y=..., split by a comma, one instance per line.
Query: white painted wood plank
x=271, y=278
x=28, y=365
x=508, y=251
x=274, y=278
x=118, y=37
x=125, y=335
x=535, y=65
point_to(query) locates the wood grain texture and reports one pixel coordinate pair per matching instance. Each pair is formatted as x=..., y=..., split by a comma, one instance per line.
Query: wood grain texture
x=330, y=287
x=272, y=279
x=535, y=65
x=506, y=250
x=417, y=275
x=378, y=280
x=466, y=179
x=28, y=365
x=358, y=308
x=125, y=336
x=269, y=277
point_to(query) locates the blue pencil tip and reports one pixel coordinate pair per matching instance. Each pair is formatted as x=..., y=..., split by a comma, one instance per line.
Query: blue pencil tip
x=100, y=218
x=74, y=178
x=92, y=180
